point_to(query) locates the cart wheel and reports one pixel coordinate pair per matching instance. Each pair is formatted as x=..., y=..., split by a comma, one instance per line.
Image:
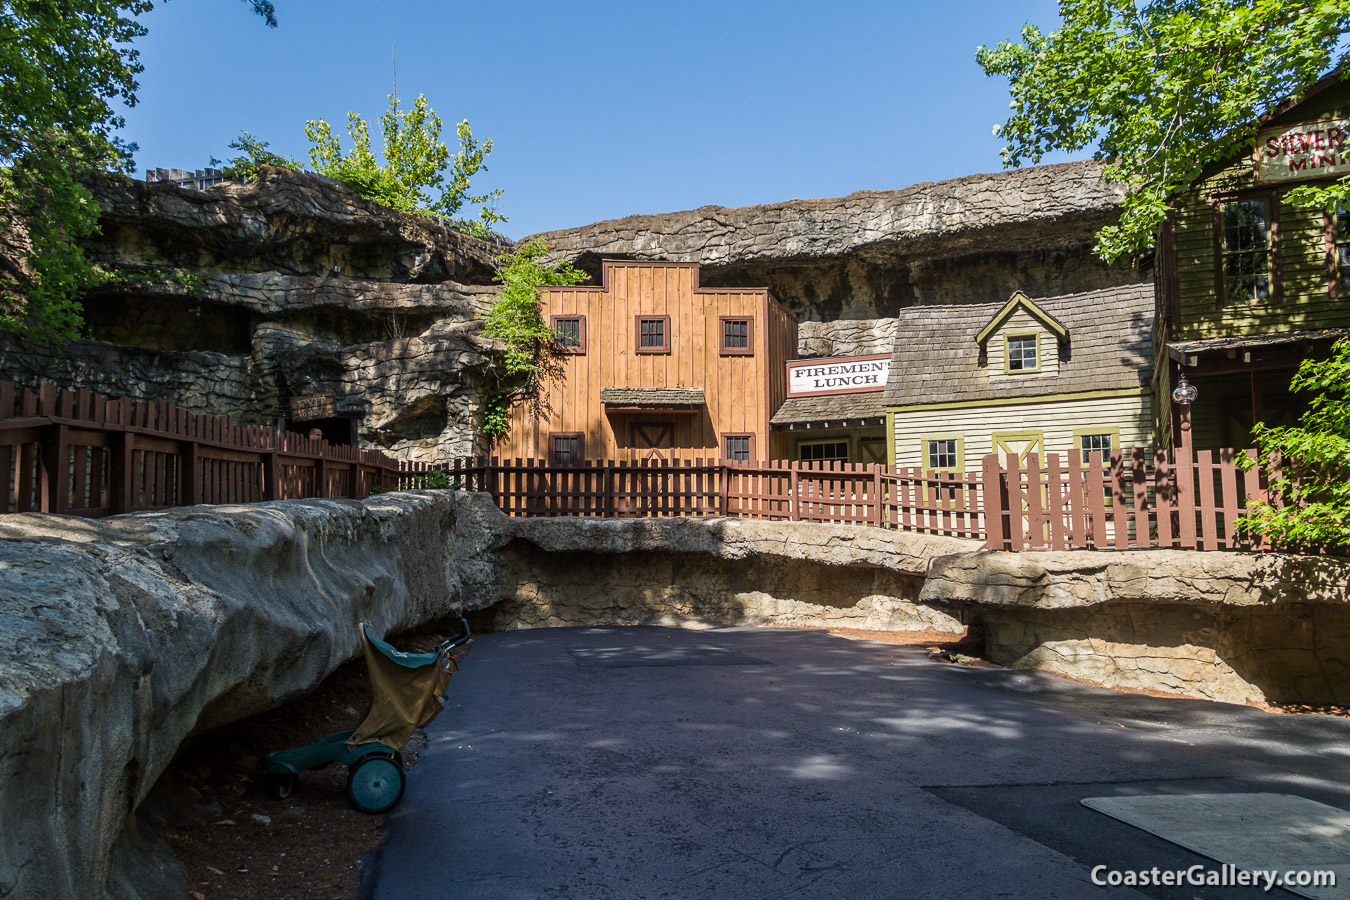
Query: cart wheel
x=375, y=783
x=281, y=785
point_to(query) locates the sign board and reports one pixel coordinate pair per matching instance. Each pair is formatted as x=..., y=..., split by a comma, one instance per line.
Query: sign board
x=1307, y=150
x=313, y=406
x=837, y=375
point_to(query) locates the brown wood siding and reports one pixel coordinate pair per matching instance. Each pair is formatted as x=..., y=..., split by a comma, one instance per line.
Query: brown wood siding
x=740, y=392
x=1304, y=300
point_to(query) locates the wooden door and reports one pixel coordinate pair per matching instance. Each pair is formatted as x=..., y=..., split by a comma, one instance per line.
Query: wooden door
x=872, y=450
x=653, y=440
x=1019, y=445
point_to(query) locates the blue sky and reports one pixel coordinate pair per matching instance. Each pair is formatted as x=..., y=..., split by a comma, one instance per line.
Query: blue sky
x=601, y=110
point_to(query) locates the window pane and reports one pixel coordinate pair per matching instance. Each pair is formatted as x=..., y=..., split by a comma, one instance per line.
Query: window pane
x=1022, y=354
x=834, y=450
x=738, y=448
x=736, y=333
x=942, y=454
x=1246, y=249
x=1092, y=443
x=569, y=332
x=566, y=449
x=653, y=333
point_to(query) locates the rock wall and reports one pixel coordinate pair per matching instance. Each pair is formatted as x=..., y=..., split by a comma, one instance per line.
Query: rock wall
x=867, y=255
x=237, y=298
x=123, y=636
x=1235, y=627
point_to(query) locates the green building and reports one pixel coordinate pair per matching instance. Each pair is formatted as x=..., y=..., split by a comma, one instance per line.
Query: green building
x=1250, y=284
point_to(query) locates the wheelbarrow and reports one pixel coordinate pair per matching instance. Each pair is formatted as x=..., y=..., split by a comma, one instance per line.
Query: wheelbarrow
x=407, y=692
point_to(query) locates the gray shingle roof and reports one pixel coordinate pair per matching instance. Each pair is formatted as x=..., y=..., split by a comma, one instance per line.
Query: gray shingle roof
x=830, y=408
x=616, y=396
x=936, y=359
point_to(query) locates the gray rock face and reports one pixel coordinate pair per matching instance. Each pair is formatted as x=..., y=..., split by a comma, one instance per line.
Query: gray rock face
x=867, y=255
x=1236, y=627
x=242, y=296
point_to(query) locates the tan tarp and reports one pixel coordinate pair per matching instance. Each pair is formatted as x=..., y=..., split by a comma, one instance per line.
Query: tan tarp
x=402, y=699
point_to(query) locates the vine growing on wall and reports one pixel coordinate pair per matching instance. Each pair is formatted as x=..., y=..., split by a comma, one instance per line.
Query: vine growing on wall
x=530, y=357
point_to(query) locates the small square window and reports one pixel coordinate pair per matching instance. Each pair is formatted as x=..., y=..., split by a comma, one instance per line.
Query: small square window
x=739, y=447
x=1023, y=353
x=738, y=335
x=942, y=453
x=1096, y=443
x=569, y=333
x=567, y=447
x=653, y=334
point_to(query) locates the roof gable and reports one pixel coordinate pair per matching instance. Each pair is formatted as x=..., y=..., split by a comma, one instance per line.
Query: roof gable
x=1017, y=301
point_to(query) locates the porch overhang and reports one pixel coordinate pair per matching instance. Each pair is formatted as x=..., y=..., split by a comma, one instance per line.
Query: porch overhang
x=675, y=401
x=1245, y=353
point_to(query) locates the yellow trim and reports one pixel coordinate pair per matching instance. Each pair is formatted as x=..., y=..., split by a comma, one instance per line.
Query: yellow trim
x=960, y=451
x=1037, y=439
x=1078, y=434
x=1012, y=401
x=1020, y=299
x=1007, y=360
x=890, y=438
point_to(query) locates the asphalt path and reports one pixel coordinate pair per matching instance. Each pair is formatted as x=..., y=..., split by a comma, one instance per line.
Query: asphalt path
x=760, y=763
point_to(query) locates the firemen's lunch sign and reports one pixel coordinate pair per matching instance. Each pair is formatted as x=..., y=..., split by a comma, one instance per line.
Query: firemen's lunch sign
x=1307, y=150
x=840, y=375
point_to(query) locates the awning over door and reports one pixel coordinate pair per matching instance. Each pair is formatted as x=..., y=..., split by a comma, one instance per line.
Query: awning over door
x=667, y=400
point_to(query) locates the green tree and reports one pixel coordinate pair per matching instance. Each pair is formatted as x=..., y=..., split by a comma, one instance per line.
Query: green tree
x=253, y=155
x=1309, y=463
x=65, y=65
x=413, y=177
x=1160, y=89
x=531, y=357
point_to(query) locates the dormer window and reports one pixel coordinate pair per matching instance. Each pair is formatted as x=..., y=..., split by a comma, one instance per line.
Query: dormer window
x=1024, y=353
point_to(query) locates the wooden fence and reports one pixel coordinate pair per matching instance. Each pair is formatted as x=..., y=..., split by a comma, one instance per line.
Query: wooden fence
x=77, y=453
x=1127, y=501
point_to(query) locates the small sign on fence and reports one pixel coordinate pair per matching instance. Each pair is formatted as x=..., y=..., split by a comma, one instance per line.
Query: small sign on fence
x=314, y=406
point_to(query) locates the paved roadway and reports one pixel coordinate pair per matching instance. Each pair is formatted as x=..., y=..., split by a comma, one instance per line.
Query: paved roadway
x=763, y=763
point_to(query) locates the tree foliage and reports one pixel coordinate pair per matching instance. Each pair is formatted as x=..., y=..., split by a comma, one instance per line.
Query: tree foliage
x=65, y=65
x=1160, y=89
x=1310, y=462
x=413, y=178
x=253, y=155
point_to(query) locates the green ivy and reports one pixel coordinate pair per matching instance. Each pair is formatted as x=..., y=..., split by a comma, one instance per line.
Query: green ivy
x=497, y=415
x=515, y=318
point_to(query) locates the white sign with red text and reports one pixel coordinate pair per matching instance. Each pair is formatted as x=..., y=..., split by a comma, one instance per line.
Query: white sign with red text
x=837, y=375
x=1307, y=150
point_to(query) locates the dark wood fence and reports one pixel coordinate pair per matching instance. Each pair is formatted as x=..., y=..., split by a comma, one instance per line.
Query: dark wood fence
x=1127, y=501
x=77, y=453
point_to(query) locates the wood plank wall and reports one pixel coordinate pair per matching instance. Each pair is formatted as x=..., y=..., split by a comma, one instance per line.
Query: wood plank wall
x=741, y=392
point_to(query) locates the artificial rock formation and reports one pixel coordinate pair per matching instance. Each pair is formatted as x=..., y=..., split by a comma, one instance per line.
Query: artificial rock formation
x=1236, y=627
x=867, y=255
x=124, y=636
x=235, y=299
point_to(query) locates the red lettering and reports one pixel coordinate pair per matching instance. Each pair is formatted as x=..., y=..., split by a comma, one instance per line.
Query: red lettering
x=1272, y=148
x=1334, y=137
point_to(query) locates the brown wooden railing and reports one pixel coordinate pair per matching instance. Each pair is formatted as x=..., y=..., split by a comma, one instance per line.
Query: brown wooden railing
x=1127, y=501
x=77, y=453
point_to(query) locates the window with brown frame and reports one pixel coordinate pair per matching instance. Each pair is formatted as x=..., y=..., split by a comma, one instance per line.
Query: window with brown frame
x=566, y=447
x=1338, y=249
x=653, y=334
x=569, y=333
x=738, y=335
x=738, y=447
x=1246, y=248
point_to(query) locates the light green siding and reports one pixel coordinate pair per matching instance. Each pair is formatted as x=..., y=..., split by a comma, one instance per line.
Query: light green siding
x=1021, y=323
x=1128, y=415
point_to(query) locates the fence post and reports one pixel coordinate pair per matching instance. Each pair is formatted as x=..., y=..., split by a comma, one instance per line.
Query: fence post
x=121, y=450
x=189, y=485
x=993, y=503
x=794, y=480
x=54, y=489
x=876, y=495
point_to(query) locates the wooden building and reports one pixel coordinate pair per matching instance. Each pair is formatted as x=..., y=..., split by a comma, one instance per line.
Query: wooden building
x=655, y=366
x=1251, y=284
x=1060, y=374
x=833, y=411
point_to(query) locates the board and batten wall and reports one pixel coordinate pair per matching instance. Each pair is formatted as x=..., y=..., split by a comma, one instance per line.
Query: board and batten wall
x=1306, y=267
x=741, y=391
x=1059, y=419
